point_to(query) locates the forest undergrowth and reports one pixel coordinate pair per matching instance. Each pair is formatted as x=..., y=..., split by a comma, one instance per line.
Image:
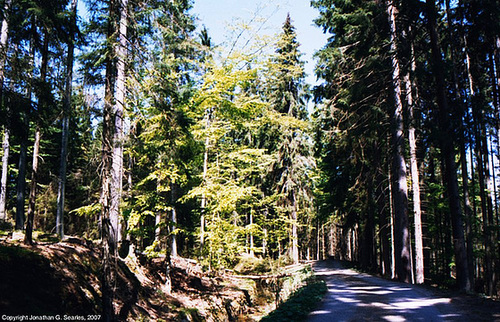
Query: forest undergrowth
x=53, y=278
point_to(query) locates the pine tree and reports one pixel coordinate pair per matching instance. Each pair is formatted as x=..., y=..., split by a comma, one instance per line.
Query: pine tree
x=49, y=23
x=293, y=168
x=448, y=153
x=353, y=122
x=162, y=149
x=68, y=86
x=400, y=190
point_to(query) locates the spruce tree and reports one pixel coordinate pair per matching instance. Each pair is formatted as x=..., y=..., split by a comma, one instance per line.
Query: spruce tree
x=292, y=171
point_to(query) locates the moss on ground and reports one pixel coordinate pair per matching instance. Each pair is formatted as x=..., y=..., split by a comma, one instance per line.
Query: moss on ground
x=300, y=303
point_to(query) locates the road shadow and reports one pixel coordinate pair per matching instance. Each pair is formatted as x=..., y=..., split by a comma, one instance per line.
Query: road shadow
x=354, y=296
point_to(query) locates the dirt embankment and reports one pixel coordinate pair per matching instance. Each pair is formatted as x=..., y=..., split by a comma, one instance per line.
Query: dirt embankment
x=64, y=279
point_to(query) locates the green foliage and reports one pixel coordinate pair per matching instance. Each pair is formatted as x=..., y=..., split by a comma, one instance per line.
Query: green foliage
x=300, y=302
x=227, y=114
x=152, y=250
x=248, y=265
x=286, y=87
x=291, y=178
x=352, y=122
x=88, y=211
x=161, y=149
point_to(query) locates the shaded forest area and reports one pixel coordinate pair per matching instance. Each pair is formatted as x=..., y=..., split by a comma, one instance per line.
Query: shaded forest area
x=128, y=126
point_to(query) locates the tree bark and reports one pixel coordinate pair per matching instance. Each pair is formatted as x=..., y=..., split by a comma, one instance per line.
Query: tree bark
x=21, y=182
x=23, y=152
x=108, y=235
x=5, y=170
x=318, y=241
x=28, y=237
x=323, y=247
x=415, y=178
x=4, y=36
x=468, y=213
x=4, y=39
x=482, y=154
x=448, y=153
x=417, y=212
x=391, y=224
x=400, y=190
x=463, y=145
x=42, y=104
x=65, y=125
x=251, y=234
x=118, y=136
x=173, y=240
x=384, y=222
x=295, y=235
x=367, y=236
x=205, y=169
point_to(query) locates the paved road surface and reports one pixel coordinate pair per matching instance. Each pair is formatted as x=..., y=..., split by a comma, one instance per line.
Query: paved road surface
x=354, y=296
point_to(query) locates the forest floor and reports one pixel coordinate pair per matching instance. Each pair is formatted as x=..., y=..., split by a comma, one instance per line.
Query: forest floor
x=62, y=279
x=355, y=296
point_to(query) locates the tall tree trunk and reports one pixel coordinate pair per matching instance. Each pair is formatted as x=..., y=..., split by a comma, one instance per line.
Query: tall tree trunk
x=108, y=235
x=264, y=237
x=323, y=246
x=295, y=235
x=495, y=70
x=5, y=170
x=400, y=191
x=28, y=237
x=318, y=240
x=448, y=153
x=415, y=177
x=489, y=222
x=476, y=270
x=4, y=39
x=208, y=113
x=480, y=132
x=157, y=227
x=42, y=104
x=4, y=36
x=173, y=240
x=391, y=225
x=468, y=213
x=493, y=179
x=417, y=212
x=368, y=256
x=384, y=222
x=463, y=145
x=496, y=55
x=65, y=125
x=251, y=233
x=21, y=181
x=118, y=135
x=23, y=152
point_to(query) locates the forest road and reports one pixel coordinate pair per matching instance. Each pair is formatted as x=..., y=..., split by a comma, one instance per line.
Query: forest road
x=354, y=296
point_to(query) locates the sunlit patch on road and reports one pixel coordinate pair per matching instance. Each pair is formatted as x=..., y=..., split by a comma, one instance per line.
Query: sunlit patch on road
x=394, y=318
x=354, y=296
x=418, y=303
x=319, y=312
x=346, y=299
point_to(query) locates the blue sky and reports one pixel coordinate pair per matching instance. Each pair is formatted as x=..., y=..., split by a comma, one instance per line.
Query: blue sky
x=217, y=15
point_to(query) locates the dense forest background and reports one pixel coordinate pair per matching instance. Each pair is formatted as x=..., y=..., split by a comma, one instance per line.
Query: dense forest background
x=128, y=125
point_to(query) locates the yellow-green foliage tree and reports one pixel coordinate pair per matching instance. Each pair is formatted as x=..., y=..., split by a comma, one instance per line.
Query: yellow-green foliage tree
x=227, y=113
